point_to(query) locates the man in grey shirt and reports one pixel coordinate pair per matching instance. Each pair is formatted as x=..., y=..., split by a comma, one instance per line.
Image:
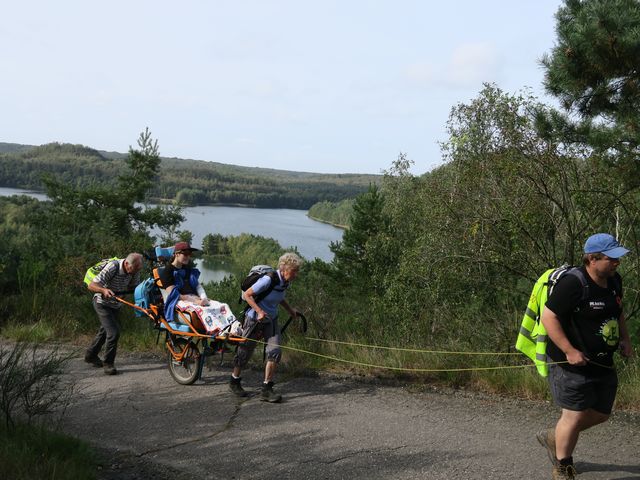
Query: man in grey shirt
x=117, y=277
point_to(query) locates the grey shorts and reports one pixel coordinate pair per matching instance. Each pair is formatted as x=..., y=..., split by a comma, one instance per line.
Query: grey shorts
x=578, y=392
x=267, y=332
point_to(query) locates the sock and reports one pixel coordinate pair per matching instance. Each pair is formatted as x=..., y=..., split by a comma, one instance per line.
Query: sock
x=565, y=461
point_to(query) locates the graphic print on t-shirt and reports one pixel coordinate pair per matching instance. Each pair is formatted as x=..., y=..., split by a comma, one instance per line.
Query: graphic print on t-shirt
x=610, y=331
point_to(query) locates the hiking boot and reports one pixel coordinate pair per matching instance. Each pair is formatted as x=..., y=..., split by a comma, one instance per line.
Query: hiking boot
x=93, y=360
x=547, y=438
x=109, y=369
x=236, y=388
x=563, y=472
x=268, y=395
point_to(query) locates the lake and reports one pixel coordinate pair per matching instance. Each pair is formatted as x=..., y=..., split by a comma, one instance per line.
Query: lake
x=290, y=228
x=7, y=192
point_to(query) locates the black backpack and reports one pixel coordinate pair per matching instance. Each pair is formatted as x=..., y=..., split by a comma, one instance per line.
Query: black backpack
x=256, y=273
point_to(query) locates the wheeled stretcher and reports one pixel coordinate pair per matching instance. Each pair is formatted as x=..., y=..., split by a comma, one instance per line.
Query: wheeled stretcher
x=187, y=342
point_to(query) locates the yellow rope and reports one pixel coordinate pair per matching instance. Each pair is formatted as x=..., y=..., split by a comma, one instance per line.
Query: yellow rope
x=403, y=369
x=409, y=349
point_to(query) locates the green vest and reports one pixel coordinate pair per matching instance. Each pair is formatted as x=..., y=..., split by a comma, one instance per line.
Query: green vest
x=532, y=337
x=94, y=270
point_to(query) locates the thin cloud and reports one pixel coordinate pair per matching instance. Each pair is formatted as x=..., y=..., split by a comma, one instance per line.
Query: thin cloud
x=472, y=64
x=422, y=74
x=468, y=65
x=245, y=141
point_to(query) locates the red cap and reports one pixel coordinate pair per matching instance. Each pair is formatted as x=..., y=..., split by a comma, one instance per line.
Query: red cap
x=184, y=247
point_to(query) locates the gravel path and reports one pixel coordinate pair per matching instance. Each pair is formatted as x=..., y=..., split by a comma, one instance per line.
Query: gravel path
x=147, y=426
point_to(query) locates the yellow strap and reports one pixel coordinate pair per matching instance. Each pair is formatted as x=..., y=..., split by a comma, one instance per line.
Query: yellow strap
x=409, y=349
x=403, y=369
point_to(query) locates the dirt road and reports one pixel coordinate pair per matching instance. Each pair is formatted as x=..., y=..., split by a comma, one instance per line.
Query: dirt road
x=147, y=426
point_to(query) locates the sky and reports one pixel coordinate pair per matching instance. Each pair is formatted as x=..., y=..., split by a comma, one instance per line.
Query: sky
x=330, y=86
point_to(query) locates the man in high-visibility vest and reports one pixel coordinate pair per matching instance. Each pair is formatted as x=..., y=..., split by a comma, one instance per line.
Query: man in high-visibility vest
x=115, y=278
x=584, y=332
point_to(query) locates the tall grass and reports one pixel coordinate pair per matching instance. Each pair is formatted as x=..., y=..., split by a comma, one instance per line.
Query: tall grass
x=35, y=453
x=72, y=319
x=511, y=375
x=629, y=384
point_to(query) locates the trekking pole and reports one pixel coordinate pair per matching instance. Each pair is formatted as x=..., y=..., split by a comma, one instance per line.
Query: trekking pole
x=304, y=323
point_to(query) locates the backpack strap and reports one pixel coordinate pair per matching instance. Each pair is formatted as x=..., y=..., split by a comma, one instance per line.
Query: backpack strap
x=275, y=281
x=108, y=273
x=577, y=272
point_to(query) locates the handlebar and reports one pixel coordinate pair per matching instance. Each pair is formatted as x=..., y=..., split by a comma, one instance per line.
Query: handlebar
x=304, y=323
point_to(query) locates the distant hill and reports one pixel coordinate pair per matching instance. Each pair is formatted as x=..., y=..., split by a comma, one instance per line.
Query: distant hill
x=14, y=147
x=189, y=182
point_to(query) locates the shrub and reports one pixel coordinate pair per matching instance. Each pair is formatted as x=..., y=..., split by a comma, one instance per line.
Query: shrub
x=31, y=383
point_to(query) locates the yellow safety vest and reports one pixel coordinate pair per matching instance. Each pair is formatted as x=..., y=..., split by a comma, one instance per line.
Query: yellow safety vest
x=532, y=337
x=94, y=270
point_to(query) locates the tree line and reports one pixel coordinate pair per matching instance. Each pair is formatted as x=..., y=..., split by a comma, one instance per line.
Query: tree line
x=185, y=182
x=335, y=213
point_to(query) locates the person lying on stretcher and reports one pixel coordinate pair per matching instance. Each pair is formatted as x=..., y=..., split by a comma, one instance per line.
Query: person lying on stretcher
x=182, y=291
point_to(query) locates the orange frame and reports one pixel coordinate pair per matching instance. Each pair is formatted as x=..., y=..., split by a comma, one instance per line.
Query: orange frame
x=153, y=312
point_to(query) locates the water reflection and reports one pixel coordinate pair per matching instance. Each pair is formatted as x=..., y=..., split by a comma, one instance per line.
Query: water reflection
x=214, y=269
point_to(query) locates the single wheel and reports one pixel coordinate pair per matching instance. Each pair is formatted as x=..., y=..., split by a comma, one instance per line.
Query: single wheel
x=185, y=371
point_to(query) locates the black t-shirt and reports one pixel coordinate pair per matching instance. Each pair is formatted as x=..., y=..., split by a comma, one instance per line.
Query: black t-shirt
x=592, y=326
x=166, y=276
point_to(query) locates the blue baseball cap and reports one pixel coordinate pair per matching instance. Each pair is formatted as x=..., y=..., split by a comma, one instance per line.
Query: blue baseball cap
x=604, y=243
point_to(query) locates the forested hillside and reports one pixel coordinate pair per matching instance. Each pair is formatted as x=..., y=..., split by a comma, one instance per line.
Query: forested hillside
x=189, y=182
x=13, y=147
x=335, y=213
